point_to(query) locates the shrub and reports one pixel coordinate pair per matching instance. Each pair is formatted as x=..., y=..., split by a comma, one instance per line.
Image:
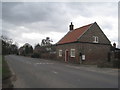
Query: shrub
x=35, y=55
x=116, y=63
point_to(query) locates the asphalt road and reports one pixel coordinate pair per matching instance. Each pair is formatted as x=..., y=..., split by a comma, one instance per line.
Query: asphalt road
x=39, y=73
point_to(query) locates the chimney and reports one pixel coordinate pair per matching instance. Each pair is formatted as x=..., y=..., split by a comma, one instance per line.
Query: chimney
x=114, y=45
x=71, y=27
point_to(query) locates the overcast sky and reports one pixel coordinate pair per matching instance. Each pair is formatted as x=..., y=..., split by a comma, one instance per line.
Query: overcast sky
x=30, y=22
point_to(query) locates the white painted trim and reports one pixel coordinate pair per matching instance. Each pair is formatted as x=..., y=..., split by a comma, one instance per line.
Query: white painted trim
x=59, y=53
x=96, y=39
x=71, y=53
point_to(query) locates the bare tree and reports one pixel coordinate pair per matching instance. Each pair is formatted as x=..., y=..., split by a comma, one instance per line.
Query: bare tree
x=46, y=42
x=7, y=46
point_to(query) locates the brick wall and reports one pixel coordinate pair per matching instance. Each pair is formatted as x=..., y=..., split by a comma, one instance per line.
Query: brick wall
x=94, y=53
x=94, y=31
x=67, y=47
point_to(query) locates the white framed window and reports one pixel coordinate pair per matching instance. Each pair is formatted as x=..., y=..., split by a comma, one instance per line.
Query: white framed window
x=60, y=53
x=72, y=53
x=95, y=39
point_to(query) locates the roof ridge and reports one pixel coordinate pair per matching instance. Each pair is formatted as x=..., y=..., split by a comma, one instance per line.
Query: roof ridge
x=83, y=26
x=75, y=34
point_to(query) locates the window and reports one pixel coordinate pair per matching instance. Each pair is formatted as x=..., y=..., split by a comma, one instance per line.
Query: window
x=95, y=39
x=60, y=53
x=72, y=52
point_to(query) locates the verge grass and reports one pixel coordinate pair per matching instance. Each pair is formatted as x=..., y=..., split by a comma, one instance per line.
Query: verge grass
x=0, y=65
x=5, y=69
x=6, y=75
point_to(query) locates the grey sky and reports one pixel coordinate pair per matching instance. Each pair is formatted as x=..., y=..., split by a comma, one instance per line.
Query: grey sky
x=33, y=21
x=119, y=24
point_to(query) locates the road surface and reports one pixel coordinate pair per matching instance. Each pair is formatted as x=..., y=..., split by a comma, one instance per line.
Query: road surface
x=40, y=73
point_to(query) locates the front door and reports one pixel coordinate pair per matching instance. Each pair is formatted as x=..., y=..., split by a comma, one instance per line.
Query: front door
x=80, y=56
x=66, y=56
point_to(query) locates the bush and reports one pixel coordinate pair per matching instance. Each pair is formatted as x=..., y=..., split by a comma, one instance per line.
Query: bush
x=48, y=56
x=35, y=55
x=116, y=63
x=105, y=65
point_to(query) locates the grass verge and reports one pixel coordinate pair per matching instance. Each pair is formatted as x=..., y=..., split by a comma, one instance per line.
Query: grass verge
x=1, y=65
x=6, y=75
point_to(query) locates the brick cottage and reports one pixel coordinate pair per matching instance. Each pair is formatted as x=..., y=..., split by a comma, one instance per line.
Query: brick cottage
x=87, y=44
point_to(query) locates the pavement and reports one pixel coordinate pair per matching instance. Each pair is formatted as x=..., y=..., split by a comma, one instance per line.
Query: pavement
x=40, y=73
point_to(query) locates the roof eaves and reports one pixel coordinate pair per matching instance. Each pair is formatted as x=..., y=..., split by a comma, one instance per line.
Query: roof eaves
x=62, y=38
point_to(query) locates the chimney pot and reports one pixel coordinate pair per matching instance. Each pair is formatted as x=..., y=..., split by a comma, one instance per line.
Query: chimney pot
x=114, y=45
x=71, y=26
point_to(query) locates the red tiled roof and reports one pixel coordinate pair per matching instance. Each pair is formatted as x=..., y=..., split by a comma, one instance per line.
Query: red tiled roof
x=73, y=35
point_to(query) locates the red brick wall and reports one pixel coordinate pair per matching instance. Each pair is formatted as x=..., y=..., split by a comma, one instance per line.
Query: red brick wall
x=67, y=47
x=94, y=53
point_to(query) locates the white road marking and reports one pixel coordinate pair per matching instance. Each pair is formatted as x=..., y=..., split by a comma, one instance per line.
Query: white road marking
x=43, y=63
x=55, y=72
x=38, y=63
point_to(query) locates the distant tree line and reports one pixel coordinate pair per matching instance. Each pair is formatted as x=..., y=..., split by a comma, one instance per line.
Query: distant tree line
x=7, y=46
x=44, y=50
